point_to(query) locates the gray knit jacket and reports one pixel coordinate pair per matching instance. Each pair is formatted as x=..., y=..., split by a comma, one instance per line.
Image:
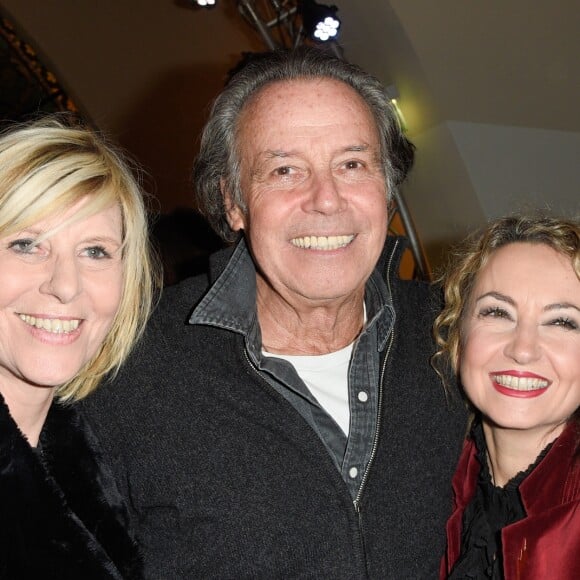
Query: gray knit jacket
x=226, y=480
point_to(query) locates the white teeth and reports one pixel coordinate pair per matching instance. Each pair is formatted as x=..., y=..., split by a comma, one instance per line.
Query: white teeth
x=54, y=325
x=323, y=242
x=520, y=383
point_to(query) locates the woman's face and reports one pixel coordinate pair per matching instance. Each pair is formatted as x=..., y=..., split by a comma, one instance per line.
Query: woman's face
x=58, y=298
x=520, y=359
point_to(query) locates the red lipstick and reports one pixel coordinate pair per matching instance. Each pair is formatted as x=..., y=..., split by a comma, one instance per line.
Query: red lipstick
x=519, y=384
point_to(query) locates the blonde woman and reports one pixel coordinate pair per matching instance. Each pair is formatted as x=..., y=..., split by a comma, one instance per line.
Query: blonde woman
x=76, y=287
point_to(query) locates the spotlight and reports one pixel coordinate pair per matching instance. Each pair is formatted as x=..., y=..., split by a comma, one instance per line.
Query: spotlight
x=205, y=3
x=320, y=21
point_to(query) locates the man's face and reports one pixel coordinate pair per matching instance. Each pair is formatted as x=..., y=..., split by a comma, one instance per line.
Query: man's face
x=315, y=192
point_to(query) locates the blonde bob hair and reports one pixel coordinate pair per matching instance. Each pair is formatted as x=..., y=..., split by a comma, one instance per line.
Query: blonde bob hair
x=47, y=166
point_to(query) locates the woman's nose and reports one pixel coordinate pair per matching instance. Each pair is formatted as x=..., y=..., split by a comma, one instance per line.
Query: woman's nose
x=62, y=280
x=524, y=344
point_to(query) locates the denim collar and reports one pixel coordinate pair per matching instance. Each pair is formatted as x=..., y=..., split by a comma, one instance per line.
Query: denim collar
x=230, y=302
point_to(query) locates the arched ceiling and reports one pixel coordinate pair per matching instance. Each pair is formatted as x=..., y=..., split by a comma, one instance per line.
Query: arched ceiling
x=508, y=63
x=471, y=75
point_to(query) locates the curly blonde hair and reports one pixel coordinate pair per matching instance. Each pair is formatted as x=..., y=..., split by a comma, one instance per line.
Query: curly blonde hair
x=467, y=260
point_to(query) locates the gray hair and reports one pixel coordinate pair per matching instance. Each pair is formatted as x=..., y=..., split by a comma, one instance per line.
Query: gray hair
x=218, y=161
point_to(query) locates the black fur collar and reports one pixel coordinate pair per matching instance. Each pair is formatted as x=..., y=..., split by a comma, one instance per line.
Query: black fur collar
x=61, y=513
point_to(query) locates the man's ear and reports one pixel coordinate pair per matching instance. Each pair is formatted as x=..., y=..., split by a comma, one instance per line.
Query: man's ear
x=234, y=215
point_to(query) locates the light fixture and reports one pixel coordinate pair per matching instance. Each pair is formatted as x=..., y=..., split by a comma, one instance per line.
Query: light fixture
x=393, y=95
x=205, y=3
x=320, y=21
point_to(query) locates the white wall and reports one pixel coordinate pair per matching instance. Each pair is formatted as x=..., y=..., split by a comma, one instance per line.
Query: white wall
x=440, y=194
x=518, y=169
x=146, y=72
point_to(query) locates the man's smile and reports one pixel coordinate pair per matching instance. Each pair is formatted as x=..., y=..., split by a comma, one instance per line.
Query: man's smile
x=323, y=242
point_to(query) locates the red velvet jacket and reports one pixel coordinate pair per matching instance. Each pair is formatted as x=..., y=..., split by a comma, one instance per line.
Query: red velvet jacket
x=546, y=543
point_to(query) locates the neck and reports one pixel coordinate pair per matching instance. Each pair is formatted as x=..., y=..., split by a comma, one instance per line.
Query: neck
x=308, y=329
x=28, y=406
x=511, y=451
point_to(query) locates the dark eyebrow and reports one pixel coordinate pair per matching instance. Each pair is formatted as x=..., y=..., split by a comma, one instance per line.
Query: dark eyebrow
x=259, y=169
x=549, y=307
x=497, y=296
x=273, y=154
x=374, y=152
x=363, y=147
x=561, y=305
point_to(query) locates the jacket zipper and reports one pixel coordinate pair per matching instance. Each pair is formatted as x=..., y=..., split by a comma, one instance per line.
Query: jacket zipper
x=361, y=556
x=380, y=400
x=357, y=499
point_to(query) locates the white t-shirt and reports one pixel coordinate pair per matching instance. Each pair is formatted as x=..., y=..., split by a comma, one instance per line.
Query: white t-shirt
x=326, y=375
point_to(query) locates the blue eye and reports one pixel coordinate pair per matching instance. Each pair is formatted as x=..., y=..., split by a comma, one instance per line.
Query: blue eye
x=24, y=246
x=97, y=253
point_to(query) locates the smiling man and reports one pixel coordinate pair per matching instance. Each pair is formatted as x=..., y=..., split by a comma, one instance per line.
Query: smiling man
x=281, y=419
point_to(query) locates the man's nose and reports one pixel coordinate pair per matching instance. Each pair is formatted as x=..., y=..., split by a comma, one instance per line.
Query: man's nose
x=62, y=279
x=325, y=194
x=524, y=345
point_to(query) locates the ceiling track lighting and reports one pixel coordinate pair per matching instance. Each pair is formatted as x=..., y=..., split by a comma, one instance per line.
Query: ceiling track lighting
x=288, y=23
x=317, y=22
x=320, y=21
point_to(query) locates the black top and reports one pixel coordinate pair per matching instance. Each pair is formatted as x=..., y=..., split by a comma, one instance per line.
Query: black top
x=225, y=479
x=233, y=307
x=61, y=515
x=491, y=509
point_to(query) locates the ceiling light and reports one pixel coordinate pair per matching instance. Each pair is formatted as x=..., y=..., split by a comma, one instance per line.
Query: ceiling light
x=320, y=21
